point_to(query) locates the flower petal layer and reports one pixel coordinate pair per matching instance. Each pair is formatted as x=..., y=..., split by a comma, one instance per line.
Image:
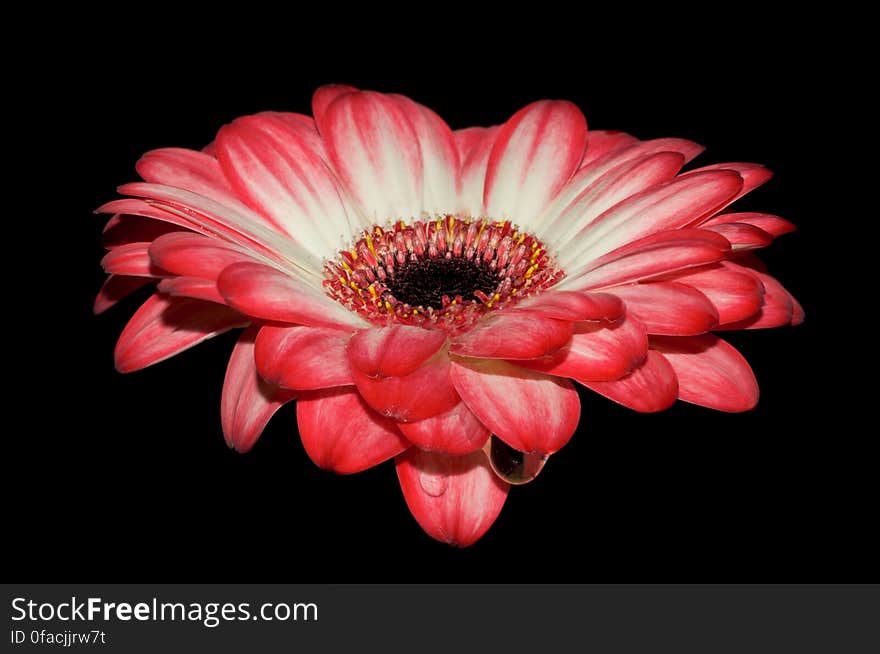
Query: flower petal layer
x=165, y=326
x=456, y=431
x=263, y=292
x=303, y=358
x=710, y=372
x=455, y=499
x=513, y=335
x=528, y=410
x=669, y=307
x=341, y=433
x=248, y=402
x=651, y=387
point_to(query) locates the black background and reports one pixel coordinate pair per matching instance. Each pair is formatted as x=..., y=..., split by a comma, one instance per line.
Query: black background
x=127, y=477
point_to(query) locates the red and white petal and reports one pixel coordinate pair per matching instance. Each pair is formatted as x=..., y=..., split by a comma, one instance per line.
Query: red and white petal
x=591, y=172
x=574, y=306
x=116, y=288
x=777, y=309
x=649, y=257
x=375, y=151
x=341, y=433
x=513, y=335
x=269, y=294
x=194, y=255
x=773, y=225
x=131, y=259
x=192, y=287
x=535, y=154
x=456, y=431
x=393, y=351
x=597, y=352
x=475, y=145
x=669, y=307
x=441, y=169
x=248, y=402
x=165, y=326
x=303, y=358
x=191, y=170
x=612, y=188
x=686, y=200
x=710, y=372
x=273, y=167
x=736, y=295
x=742, y=236
x=244, y=227
x=455, y=499
x=602, y=141
x=649, y=388
x=753, y=175
x=530, y=411
x=324, y=96
x=424, y=392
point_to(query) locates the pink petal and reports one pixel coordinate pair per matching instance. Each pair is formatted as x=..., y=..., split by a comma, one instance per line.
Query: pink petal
x=164, y=326
x=753, y=175
x=376, y=153
x=612, y=188
x=130, y=259
x=194, y=255
x=597, y=352
x=422, y=393
x=686, y=200
x=248, y=402
x=573, y=305
x=192, y=287
x=456, y=431
x=455, y=499
x=441, y=170
x=114, y=289
x=736, y=295
x=669, y=307
x=710, y=372
x=742, y=236
x=778, y=307
x=773, y=225
x=651, y=387
x=393, y=351
x=193, y=171
x=305, y=358
x=244, y=227
x=602, y=141
x=536, y=152
x=341, y=433
x=651, y=256
x=273, y=167
x=122, y=229
x=266, y=293
x=324, y=96
x=529, y=411
x=590, y=172
x=475, y=146
x=513, y=335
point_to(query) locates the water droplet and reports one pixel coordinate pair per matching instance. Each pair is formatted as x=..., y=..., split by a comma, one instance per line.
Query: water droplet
x=433, y=484
x=511, y=465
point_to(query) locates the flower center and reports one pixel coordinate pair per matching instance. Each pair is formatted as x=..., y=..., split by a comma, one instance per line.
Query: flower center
x=444, y=274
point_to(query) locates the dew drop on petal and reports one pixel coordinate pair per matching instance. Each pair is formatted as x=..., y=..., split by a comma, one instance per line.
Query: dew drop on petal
x=511, y=465
x=433, y=484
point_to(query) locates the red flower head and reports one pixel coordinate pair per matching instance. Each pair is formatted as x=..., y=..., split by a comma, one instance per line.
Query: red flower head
x=431, y=295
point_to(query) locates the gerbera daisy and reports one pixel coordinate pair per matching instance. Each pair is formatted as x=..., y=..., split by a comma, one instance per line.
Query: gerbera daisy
x=431, y=295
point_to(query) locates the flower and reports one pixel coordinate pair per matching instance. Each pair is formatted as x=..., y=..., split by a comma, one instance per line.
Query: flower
x=431, y=295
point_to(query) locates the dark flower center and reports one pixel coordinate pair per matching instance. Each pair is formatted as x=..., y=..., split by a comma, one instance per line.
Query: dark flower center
x=424, y=282
x=444, y=273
